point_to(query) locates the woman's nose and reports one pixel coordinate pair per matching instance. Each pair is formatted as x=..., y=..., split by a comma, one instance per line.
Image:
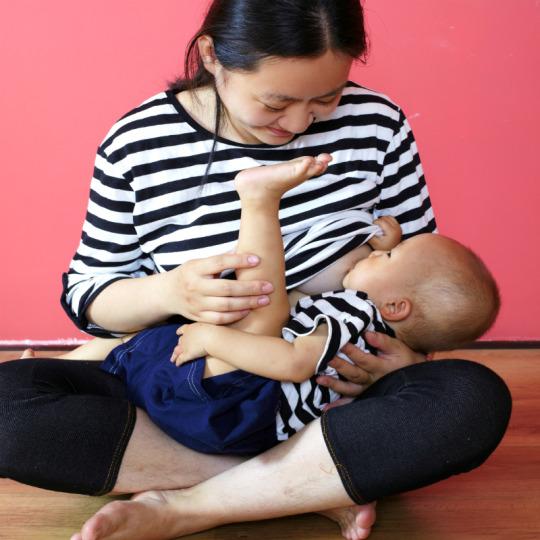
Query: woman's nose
x=297, y=121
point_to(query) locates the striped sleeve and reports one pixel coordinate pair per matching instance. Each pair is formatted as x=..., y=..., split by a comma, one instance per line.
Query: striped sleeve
x=404, y=193
x=346, y=313
x=109, y=248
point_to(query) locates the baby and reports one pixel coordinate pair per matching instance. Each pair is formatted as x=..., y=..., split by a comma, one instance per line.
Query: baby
x=242, y=388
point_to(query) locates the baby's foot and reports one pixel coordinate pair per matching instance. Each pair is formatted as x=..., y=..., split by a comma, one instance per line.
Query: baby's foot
x=274, y=180
x=355, y=521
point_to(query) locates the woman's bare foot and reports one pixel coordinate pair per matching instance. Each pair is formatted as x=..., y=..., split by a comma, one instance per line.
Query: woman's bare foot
x=164, y=515
x=355, y=521
x=28, y=353
x=147, y=516
x=275, y=180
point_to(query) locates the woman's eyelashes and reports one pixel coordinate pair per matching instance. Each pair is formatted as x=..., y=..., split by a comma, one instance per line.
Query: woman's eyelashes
x=281, y=109
x=274, y=109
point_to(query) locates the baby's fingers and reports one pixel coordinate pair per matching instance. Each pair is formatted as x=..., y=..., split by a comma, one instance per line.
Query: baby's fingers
x=176, y=353
x=179, y=361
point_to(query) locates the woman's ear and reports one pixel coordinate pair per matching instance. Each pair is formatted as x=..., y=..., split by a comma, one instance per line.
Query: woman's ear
x=396, y=310
x=208, y=55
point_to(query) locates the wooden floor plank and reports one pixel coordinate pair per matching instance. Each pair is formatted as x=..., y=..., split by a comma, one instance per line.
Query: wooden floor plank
x=499, y=500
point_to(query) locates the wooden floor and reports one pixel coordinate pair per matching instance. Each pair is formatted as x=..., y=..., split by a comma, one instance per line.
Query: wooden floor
x=499, y=500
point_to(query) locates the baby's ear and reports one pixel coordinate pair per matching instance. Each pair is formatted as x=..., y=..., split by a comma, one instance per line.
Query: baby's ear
x=396, y=310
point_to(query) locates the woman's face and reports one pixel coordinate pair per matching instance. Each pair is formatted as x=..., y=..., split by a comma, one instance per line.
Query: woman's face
x=282, y=97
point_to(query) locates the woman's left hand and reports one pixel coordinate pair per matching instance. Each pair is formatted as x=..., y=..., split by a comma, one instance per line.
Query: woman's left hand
x=367, y=368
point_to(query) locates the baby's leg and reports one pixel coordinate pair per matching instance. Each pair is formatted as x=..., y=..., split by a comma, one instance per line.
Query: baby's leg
x=95, y=349
x=260, y=190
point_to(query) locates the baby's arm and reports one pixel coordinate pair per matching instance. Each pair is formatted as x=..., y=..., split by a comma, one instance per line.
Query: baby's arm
x=391, y=234
x=266, y=356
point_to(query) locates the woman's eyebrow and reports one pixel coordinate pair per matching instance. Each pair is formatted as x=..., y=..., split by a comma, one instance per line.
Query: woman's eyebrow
x=283, y=97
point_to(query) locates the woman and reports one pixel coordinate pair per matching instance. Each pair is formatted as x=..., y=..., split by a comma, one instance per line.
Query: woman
x=266, y=82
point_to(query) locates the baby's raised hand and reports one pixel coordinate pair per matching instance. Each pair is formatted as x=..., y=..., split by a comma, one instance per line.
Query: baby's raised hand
x=190, y=343
x=391, y=234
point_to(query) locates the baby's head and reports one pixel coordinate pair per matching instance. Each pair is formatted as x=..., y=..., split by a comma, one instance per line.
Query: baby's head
x=434, y=292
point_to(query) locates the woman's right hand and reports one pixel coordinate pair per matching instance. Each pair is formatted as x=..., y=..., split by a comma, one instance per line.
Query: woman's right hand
x=195, y=291
x=367, y=368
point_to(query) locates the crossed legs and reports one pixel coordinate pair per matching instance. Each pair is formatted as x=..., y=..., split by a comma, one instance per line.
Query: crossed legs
x=264, y=487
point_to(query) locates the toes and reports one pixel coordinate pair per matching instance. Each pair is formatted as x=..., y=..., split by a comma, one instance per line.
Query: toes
x=301, y=167
x=105, y=523
x=355, y=521
x=366, y=518
x=324, y=158
x=319, y=165
x=356, y=533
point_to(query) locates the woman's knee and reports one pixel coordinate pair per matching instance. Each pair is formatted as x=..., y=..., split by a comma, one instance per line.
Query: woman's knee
x=479, y=400
x=466, y=402
x=417, y=426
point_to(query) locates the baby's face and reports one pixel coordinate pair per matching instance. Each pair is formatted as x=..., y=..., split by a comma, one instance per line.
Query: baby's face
x=386, y=273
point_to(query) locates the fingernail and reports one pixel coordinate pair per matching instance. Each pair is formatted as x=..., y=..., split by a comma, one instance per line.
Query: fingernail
x=267, y=287
x=253, y=259
x=263, y=300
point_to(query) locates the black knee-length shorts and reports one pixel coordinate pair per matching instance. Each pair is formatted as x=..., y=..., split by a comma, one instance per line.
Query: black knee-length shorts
x=65, y=424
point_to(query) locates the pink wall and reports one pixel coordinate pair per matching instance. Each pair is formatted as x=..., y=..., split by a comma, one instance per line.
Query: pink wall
x=465, y=72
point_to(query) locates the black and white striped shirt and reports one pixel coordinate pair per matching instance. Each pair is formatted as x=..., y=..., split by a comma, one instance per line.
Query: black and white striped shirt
x=347, y=314
x=149, y=212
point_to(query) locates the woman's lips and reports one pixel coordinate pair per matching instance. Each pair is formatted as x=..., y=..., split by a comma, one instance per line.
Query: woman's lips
x=280, y=132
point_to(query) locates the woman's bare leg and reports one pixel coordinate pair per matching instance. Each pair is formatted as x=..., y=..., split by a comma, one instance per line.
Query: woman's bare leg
x=295, y=477
x=153, y=460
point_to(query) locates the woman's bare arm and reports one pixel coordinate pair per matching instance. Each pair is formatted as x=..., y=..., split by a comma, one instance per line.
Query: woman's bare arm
x=128, y=305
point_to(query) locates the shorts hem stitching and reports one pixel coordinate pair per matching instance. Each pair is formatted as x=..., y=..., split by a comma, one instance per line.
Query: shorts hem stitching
x=114, y=468
x=342, y=470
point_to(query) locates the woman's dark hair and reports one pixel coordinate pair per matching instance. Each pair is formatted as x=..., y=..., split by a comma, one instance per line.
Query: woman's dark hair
x=245, y=32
